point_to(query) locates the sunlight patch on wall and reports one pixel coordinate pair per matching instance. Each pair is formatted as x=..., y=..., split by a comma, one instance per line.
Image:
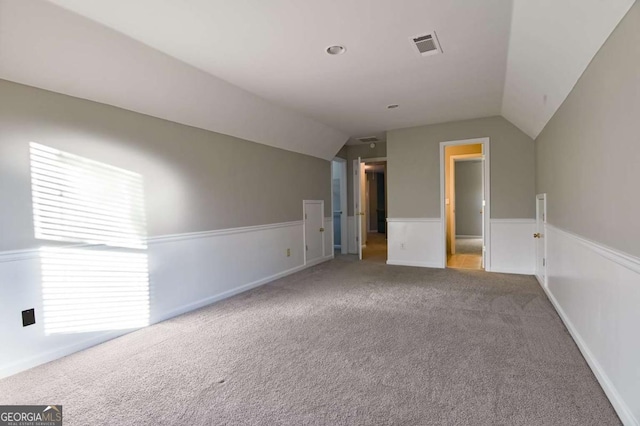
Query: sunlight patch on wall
x=91, y=290
x=104, y=283
x=80, y=200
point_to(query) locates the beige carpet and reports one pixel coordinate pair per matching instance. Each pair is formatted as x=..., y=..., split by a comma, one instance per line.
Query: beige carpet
x=342, y=343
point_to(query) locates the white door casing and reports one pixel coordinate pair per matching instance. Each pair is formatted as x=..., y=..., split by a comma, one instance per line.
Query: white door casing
x=358, y=205
x=313, y=230
x=486, y=187
x=342, y=164
x=541, y=243
x=452, y=200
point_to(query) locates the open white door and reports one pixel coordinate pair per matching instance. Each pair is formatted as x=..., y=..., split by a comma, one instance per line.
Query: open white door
x=358, y=206
x=541, y=245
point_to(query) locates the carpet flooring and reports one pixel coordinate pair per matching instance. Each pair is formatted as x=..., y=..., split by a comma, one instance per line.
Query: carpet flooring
x=341, y=343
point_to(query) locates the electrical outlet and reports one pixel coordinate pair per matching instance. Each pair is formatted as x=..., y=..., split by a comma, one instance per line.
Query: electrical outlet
x=28, y=317
x=288, y=252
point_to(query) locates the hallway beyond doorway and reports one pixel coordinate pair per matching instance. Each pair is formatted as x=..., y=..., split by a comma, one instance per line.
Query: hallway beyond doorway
x=468, y=254
x=376, y=249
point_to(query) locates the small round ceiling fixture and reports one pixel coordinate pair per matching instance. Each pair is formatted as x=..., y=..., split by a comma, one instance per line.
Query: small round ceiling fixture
x=336, y=50
x=372, y=145
x=392, y=106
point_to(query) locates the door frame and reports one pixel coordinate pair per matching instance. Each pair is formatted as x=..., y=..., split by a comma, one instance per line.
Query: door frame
x=344, y=236
x=304, y=228
x=486, y=225
x=357, y=189
x=452, y=202
x=543, y=280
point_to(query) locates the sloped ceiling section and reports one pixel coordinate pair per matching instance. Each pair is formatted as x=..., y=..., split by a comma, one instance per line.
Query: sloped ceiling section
x=276, y=50
x=45, y=46
x=550, y=46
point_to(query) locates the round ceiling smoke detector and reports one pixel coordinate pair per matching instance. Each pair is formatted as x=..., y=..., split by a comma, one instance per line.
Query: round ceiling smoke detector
x=392, y=106
x=336, y=50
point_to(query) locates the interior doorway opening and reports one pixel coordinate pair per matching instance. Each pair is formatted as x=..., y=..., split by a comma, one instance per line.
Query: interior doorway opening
x=465, y=205
x=373, y=209
x=339, y=205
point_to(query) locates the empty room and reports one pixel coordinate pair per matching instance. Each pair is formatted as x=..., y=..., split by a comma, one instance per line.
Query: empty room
x=319, y=213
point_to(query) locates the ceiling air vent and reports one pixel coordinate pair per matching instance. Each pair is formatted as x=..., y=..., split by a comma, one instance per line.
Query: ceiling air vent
x=368, y=139
x=427, y=44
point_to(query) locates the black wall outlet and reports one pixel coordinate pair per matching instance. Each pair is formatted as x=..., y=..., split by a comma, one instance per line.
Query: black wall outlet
x=28, y=317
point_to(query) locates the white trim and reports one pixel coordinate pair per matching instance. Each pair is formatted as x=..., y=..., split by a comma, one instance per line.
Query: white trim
x=217, y=232
x=25, y=254
x=41, y=358
x=304, y=229
x=344, y=234
x=467, y=237
x=621, y=258
x=413, y=263
x=486, y=153
x=616, y=400
x=413, y=219
x=522, y=220
x=224, y=295
x=315, y=262
x=512, y=271
x=16, y=255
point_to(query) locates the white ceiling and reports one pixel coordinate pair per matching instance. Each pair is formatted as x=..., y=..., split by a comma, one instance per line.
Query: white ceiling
x=257, y=69
x=276, y=49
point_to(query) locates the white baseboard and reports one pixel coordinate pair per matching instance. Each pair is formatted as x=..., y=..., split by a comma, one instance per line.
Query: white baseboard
x=609, y=389
x=310, y=264
x=596, y=292
x=48, y=356
x=467, y=237
x=218, y=297
x=186, y=272
x=413, y=263
x=516, y=271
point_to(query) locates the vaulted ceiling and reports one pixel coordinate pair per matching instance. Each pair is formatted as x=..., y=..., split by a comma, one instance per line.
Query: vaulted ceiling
x=258, y=69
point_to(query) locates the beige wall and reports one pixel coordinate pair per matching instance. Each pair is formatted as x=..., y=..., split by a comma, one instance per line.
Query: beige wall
x=588, y=154
x=413, y=164
x=342, y=153
x=195, y=180
x=448, y=188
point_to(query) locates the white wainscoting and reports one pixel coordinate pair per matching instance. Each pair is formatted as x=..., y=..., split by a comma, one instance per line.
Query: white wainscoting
x=187, y=271
x=513, y=249
x=596, y=291
x=415, y=242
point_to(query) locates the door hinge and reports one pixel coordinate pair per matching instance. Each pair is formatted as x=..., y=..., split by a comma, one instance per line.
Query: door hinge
x=356, y=239
x=306, y=248
x=305, y=215
x=544, y=262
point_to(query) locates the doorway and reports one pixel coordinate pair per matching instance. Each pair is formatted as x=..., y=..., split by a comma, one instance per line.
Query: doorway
x=539, y=235
x=371, y=190
x=465, y=203
x=339, y=204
